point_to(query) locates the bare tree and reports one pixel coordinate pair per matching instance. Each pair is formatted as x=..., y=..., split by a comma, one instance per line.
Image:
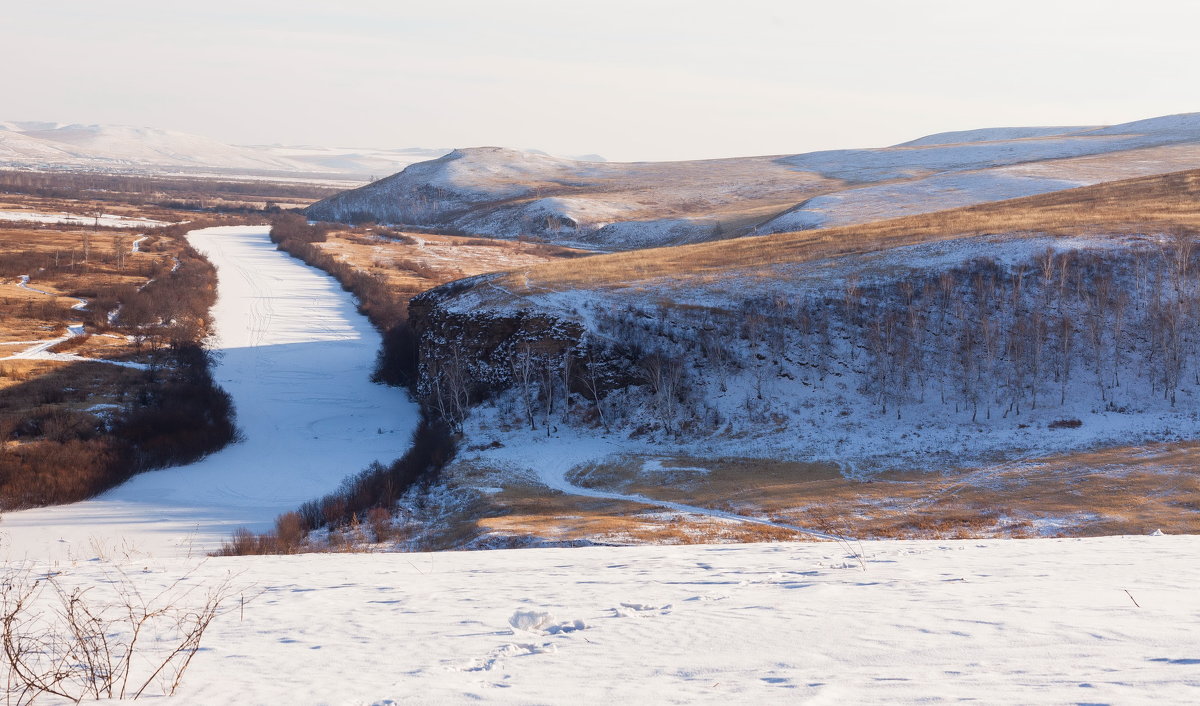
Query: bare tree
x=524, y=365
x=664, y=374
x=592, y=380
x=1066, y=344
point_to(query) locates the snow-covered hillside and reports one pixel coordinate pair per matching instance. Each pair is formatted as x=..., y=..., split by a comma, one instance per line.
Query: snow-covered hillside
x=929, y=357
x=961, y=169
x=506, y=193
x=1112, y=620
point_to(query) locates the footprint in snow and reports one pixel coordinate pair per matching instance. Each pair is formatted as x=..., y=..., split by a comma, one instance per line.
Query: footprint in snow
x=713, y=597
x=515, y=649
x=542, y=622
x=627, y=610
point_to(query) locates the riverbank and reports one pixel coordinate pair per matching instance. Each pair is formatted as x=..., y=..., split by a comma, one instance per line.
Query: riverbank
x=296, y=357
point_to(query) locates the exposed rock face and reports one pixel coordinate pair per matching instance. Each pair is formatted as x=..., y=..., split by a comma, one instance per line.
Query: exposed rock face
x=480, y=353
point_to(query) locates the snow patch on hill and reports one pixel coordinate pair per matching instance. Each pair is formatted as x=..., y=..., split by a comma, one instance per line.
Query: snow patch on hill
x=906, y=198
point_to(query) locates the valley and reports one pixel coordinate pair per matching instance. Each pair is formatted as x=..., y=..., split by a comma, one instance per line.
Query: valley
x=296, y=360
x=875, y=399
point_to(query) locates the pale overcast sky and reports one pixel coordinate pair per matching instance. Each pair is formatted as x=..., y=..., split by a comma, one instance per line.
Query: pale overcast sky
x=629, y=80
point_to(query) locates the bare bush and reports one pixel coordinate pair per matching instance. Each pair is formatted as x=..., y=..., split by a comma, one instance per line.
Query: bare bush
x=67, y=642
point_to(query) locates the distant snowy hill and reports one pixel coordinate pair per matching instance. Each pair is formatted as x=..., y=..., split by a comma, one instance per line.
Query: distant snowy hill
x=39, y=144
x=507, y=193
x=142, y=145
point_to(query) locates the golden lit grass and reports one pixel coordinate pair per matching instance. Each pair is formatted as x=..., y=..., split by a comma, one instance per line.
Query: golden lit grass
x=31, y=315
x=525, y=512
x=1143, y=204
x=27, y=315
x=424, y=260
x=35, y=387
x=1126, y=490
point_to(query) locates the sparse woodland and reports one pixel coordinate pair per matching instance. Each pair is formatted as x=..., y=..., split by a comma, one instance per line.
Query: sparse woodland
x=55, y=449
x=983, y=341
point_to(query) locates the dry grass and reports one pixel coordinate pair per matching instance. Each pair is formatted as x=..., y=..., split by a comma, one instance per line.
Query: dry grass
x=1126, y=490
x=31, y=316
x=525, y=512
x=410, y=263
x=1143, y=204
x=83, y=207
x=31, y=388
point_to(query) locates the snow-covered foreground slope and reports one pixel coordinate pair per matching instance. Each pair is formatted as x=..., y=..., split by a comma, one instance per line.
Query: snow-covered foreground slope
x=1002, y=621
x=296, y=357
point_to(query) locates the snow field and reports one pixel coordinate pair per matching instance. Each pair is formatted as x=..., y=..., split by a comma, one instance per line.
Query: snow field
x=1033, y=621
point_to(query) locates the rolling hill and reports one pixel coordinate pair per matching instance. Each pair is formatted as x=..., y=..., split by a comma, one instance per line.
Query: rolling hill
x=505, y=193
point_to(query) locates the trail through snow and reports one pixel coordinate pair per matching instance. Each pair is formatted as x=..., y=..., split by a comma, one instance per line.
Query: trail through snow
x=296, y=357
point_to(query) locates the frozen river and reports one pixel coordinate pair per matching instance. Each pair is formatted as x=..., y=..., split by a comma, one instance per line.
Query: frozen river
x=296, y=357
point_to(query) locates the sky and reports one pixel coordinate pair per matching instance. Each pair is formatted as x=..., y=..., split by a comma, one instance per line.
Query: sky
x=629, y=80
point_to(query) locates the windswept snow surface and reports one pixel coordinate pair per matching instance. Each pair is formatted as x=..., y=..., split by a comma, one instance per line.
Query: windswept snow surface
x=296, y=357
x=998, y=621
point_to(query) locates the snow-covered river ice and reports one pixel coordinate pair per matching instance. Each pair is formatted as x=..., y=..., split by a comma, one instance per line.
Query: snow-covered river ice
x=296, y=357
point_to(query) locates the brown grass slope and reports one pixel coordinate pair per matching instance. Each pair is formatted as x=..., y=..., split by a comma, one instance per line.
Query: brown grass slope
x=1144, y=204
